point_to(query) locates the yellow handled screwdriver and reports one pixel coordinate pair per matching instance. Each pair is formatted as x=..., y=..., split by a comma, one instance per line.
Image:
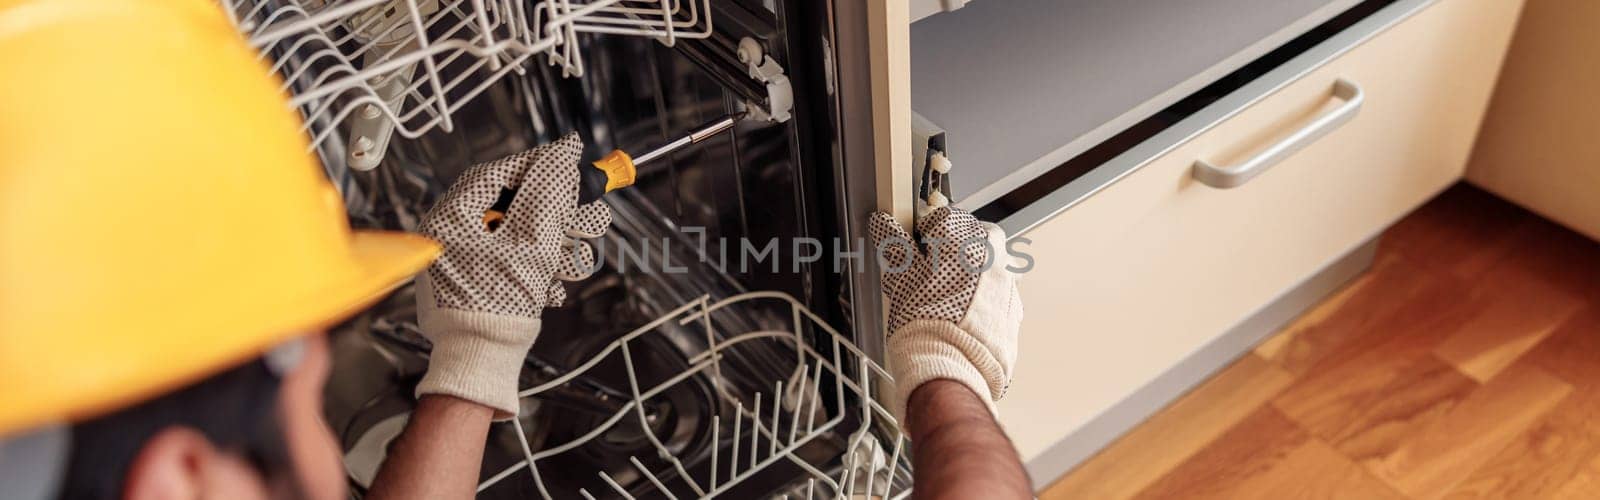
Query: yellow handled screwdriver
x=616, y=170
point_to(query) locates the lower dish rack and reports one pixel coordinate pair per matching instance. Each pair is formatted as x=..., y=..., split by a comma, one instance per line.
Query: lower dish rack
x=775, y=413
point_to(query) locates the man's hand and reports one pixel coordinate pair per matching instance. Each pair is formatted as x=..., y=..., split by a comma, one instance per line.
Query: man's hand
x=960, y=452
x=438, y=455
x=954, y=311
x=480, y=302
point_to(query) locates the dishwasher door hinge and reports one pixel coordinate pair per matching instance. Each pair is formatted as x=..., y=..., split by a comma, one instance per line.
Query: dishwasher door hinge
x=761, y=67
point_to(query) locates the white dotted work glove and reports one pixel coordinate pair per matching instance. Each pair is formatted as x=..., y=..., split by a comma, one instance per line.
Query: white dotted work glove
x=480, y=302
x=954, y=311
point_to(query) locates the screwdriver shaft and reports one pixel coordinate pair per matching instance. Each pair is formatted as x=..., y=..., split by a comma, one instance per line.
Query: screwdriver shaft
x=702, y=133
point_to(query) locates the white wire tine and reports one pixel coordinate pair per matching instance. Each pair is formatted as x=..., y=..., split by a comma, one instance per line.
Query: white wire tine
x=799, y=403
x=872, y=467
x=432, y=73
x=811, y=488
x=628, y=9
x=600, y=356
x=738, y=421
x=574, y=56
x=607, y=478
x=520, y=21
x=846, y=483
x=501, y=475
x=711, y=340
x=716, y=444
x=652, y=477
x=852, y=445
x=894, y=465
x=777, y=409
x=512, y=21
x=617, y=416
x=527, y=454
x=799, y=349
x=488, y=31
x=233, y=16
x=265, y=37
x=585, y=494
x=667, y=29
x=866, y=394
x=251, y=15
x=755, y=430
x=644, y=423
x=838, y=379
x=816, y=395
x=669, y=24
x=392, y=32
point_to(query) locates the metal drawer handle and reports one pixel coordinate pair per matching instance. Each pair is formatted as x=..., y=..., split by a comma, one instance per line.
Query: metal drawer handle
x=1236, y=175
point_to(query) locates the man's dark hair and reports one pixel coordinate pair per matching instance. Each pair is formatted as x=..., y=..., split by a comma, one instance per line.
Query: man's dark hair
x=236, y=409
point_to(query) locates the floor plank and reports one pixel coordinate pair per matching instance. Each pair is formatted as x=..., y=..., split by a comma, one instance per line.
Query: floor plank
x=1463, y=231
x=1557, y=256
x=1232, y=462
x=1397, y=299
x=1174, y=434
x=1316, y=471
x=1583, y=484
x=1560, y=456
x=1266, y=457
x=1376, y=423
x=1542, y=461
x=1518, y=309
x=1348, y=313
x=1573, y=351
x=1465, y=363
x=1433, y=459
x=1383, y=379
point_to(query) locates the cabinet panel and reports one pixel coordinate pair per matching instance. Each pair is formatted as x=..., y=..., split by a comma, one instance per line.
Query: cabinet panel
x=1137, y=277
x=1538, y=145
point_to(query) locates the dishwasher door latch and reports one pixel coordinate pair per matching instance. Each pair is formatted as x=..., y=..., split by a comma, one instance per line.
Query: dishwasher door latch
x=930, y=163
x=760, y=66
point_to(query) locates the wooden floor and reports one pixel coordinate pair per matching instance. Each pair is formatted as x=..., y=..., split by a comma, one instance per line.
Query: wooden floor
x=1465, y=364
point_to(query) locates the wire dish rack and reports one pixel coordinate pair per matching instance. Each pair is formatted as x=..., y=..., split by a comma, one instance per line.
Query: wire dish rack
x=791, y=411
x=828, y=392
x=404, y=66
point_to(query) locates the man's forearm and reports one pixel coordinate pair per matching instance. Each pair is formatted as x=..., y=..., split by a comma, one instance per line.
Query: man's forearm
x=439, y=454
x=960, y=451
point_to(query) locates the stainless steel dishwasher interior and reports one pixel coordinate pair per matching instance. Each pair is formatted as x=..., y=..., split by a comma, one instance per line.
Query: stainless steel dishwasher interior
x=749, y=183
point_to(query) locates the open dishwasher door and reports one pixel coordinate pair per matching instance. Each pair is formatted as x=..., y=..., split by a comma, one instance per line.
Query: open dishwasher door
x=715, y=353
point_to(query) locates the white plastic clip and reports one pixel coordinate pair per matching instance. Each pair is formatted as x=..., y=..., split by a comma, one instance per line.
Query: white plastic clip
x=780, y=95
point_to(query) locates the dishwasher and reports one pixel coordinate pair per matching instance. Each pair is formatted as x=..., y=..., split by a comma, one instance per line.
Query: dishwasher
x=681, y=375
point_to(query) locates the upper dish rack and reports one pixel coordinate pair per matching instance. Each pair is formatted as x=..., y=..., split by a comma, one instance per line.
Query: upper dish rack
x=405, y=66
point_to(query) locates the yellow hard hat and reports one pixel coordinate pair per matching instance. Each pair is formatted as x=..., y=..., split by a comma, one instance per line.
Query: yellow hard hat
x=161, y=218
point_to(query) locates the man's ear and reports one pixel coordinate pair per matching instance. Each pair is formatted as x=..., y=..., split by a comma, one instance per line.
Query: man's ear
x=170, y=465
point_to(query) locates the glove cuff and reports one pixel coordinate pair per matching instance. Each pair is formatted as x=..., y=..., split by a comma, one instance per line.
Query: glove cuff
x=477, y=357
x=927, y=350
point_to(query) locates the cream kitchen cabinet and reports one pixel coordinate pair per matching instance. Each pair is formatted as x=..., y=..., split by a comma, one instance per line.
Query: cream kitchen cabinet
x=1538, y=147
x=1152, y=270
